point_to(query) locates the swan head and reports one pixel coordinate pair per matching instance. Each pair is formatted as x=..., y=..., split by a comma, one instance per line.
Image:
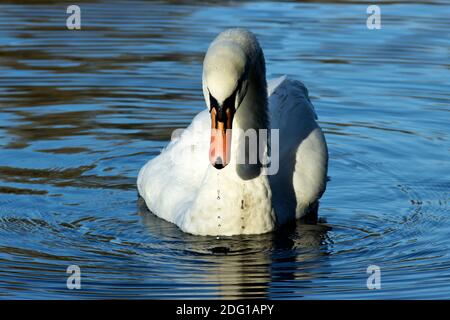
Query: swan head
x=225, y=83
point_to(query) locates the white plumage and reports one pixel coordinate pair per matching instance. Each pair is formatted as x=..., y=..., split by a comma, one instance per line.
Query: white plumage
x=181, y=186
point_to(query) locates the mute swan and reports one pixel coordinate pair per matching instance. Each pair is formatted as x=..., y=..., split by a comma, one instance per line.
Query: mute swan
x=199, y=181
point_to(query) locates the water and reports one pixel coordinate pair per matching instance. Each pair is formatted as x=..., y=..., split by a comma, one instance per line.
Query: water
x=82, y=111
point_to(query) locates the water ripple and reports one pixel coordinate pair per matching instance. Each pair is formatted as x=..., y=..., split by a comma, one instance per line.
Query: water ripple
x=82, y=111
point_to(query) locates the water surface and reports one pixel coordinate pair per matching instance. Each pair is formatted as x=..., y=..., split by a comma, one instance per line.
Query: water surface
x=82, y=111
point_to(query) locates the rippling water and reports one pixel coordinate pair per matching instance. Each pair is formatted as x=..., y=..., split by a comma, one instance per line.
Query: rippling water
x=82, y=111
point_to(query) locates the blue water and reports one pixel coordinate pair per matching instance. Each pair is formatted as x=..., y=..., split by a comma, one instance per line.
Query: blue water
x=82, y=111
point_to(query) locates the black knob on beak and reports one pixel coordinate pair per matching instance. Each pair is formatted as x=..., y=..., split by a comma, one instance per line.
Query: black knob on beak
x=219, y=164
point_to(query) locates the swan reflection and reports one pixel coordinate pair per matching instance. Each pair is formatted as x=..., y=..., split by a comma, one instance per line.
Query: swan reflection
x=243, y=266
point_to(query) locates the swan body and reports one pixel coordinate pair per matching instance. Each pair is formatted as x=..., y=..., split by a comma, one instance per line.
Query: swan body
x=209, y=191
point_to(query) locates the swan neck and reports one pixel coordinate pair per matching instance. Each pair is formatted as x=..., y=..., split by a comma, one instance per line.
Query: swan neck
x=253, y=112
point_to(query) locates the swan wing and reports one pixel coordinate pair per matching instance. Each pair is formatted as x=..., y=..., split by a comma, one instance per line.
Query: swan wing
x=302, y=150
x=169, y=182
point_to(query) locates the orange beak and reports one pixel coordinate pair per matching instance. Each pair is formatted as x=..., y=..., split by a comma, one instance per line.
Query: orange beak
x=220, y=148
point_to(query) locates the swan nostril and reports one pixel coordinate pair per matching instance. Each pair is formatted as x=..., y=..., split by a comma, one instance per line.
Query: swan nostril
x=219, y=163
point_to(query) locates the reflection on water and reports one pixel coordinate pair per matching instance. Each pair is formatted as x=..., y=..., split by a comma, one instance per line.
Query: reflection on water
x=82, y=111
x=243, y=266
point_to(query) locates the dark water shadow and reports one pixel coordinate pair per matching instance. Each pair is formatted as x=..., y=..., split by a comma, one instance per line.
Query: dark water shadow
x=246, y=266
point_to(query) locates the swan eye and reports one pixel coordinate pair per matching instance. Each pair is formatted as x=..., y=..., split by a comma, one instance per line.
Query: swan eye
x=227, y=105
x=230, y=101
x=212, y=103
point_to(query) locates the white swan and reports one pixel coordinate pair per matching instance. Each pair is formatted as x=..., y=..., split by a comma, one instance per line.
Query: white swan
x=199, y=182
